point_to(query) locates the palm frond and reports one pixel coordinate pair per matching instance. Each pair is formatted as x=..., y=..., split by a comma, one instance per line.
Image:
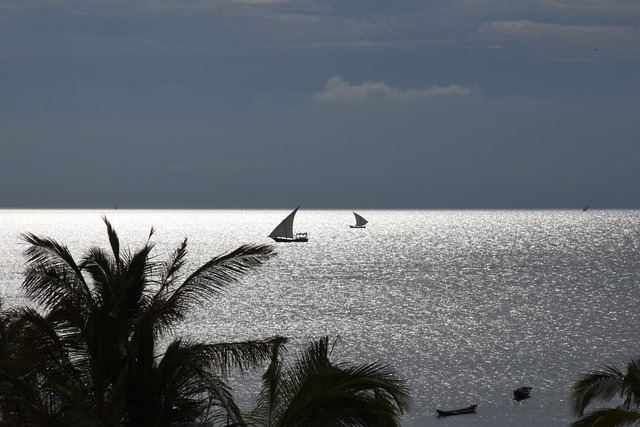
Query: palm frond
x=114, y=241
x=75, y=416
x=178, y=389
x=240, y=355
x=378, y=377
x=90, y=358
x=152, y=231
x=602, y=385
x=174, y=265
x=57, y=347
x=221, y=406
x=100, y=265
x=48, y=251
x=20, y=401
x=136, y=277
x=49, y=368
x=166, y=315
x=226, y=269
x=52, y=275
x=163, y=314
x=608, y=417
x=308, y=363
x=139, y=264
x=102, y=270
x=270, y=396
x=181, y=370
x=315, y=391
x=631, y=391
x=208, y=281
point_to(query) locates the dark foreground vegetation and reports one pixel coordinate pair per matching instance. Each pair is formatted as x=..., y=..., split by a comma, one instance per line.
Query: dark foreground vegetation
x=604, y=385
x=86, y=352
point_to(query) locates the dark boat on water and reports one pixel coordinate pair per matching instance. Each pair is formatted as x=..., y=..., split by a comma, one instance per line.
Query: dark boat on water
x=284, y=231
x=360, y=221
x=468, y=410
x=521, y=393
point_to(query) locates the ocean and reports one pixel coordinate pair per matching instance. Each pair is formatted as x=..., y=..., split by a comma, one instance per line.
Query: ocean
x=467, y=305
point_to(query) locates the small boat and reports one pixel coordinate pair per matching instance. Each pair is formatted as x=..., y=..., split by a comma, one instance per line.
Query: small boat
x=360, y=221
x=586, y=208
x=521, y=393
x=284, y=231
x=468, y=410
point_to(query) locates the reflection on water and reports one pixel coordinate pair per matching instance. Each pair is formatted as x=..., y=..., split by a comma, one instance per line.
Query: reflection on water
x=467, y=305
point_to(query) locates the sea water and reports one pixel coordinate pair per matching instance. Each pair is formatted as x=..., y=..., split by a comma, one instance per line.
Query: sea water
x=465, y=305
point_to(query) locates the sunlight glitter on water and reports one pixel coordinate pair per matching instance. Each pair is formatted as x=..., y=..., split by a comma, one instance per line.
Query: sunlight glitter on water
x=467, y=305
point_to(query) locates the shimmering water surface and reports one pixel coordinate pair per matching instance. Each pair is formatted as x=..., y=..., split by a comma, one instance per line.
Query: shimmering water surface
x=467, y=305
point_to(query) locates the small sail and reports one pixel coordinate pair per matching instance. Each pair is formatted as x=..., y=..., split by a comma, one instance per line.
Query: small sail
x=360, y=221
x=285, y=228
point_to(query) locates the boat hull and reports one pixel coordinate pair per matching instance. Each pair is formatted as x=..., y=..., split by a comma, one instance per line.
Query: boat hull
x=299, y=237
x=468, y=410
x=357, y=226
x=291, y=239
x=521, y=393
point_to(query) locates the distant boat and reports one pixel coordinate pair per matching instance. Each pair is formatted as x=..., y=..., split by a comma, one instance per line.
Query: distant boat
x=284, y=231
x=468, y=410
x=585, y=208
x=360, y=222
x=521, y=393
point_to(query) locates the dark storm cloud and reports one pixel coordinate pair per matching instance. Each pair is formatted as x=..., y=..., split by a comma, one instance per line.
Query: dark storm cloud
x=255, y=103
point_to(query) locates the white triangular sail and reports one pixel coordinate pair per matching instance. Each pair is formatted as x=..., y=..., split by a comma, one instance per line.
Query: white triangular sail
x=360, y=221
x=285, y=228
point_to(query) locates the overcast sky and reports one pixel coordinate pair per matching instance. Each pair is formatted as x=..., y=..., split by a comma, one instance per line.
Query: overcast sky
x=345, y=104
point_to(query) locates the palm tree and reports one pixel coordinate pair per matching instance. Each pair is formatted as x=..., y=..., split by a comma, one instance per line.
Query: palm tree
x=315, y=391
x=92, y=357
x=603, y=385
x=41, y=381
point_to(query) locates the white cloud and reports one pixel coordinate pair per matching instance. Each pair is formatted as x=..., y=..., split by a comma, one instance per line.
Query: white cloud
x=337, y=89
x=568, y=41
x=544, y=30
x=570, y=34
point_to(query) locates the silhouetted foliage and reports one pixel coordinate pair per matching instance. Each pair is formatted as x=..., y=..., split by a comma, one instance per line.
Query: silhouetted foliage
x=86, y=353
x=604, y=385
x=315, y=391
x=90, y=357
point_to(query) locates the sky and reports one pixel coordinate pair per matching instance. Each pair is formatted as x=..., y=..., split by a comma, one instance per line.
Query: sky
x=260, y=104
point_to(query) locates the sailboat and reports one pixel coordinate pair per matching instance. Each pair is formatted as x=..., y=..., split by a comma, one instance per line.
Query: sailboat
x=360, y=221
x=284, y=231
